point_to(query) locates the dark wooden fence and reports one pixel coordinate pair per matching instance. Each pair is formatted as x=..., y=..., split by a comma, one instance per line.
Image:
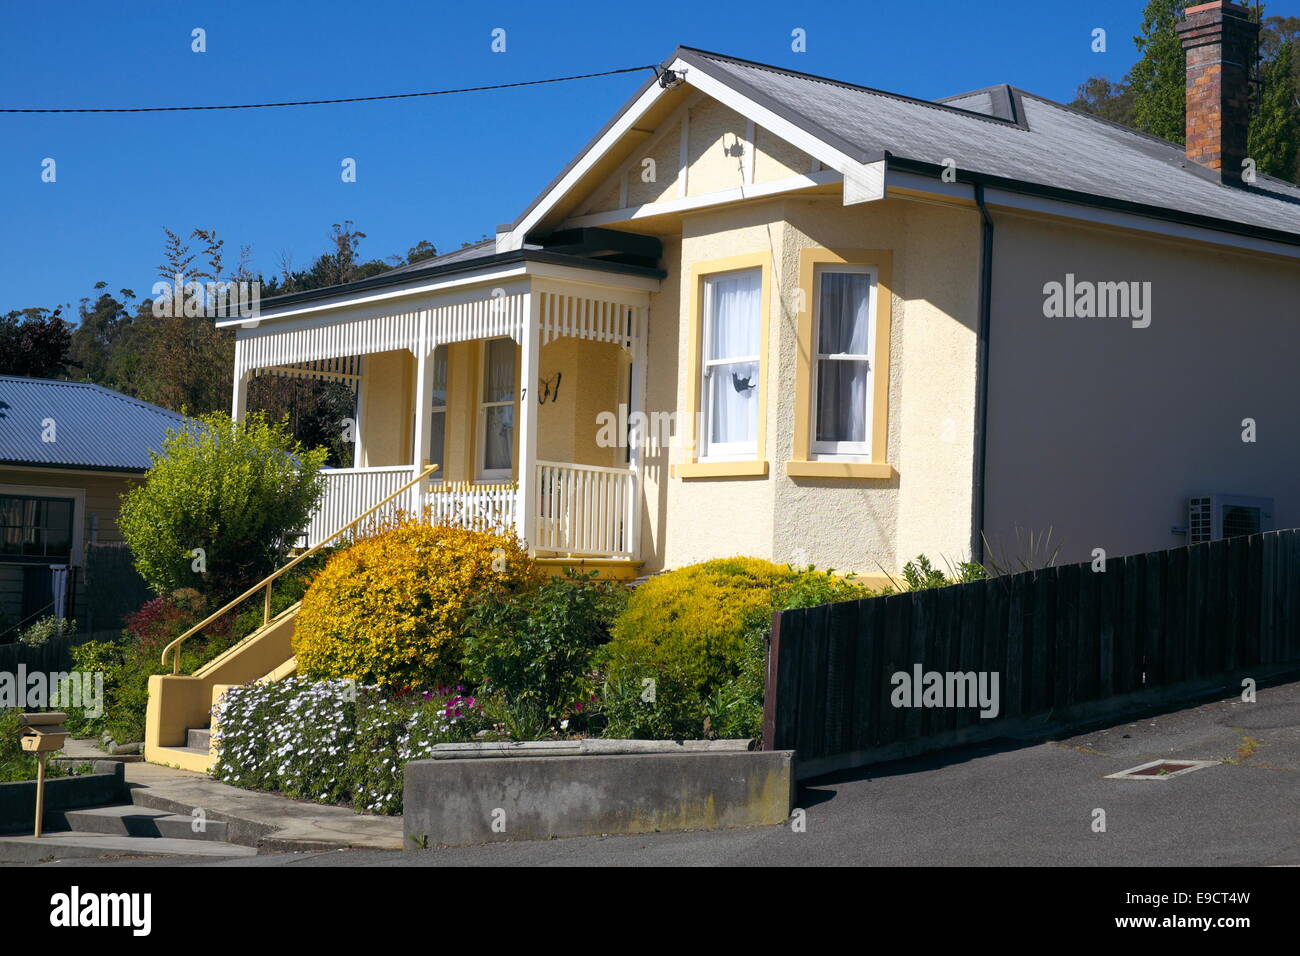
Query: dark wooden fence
x=1064, y=642
x=54, y=656
x=114, y=588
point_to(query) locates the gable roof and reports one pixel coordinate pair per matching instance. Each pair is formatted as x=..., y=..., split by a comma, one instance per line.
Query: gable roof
x=95, y=427
x=999, y=136
x=1015, y=136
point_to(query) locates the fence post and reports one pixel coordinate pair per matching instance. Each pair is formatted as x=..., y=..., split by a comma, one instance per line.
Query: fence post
x=769, y=691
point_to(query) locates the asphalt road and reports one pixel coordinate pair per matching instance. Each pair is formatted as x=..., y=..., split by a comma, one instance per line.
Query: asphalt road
x=1012, y=803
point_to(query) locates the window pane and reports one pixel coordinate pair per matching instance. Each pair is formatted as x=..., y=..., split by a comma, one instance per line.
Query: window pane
x=841, y=400
x=735, y=304
x=439, y=376
x=438, y=428
x=733, y=403
x=499, y=381
x=58, y=528
x=498, y=442
x=844, y=313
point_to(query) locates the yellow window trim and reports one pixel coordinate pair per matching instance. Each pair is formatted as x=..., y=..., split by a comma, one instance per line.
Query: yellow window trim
x=719, y=469
x=694, y=468
x=829, y=468
x=803, y=465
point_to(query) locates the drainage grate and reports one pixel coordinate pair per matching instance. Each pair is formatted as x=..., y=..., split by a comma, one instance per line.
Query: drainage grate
x=1160, y=769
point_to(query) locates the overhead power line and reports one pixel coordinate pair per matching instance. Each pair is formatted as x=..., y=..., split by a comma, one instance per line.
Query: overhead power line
x=350, y=99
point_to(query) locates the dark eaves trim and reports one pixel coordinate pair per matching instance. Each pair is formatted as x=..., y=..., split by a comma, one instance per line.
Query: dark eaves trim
x=1161, y=213
x=66, y=466
x=385, y=280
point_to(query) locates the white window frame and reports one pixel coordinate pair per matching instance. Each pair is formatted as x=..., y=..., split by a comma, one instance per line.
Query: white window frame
x=78, y=495
x=843, y=450
x=726, y=451
x=493, y=474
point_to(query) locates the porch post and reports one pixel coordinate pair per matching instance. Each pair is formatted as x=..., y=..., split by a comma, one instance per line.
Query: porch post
x=239, y=402
x=423, y=431
x=530, y=346
x=639, y=434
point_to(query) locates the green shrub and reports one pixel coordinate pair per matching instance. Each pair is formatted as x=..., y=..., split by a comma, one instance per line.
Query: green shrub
x=693, y=640
x=536, y=647
x=390, y=609
x=47, y=627
x=920, y=574
x=241, y=493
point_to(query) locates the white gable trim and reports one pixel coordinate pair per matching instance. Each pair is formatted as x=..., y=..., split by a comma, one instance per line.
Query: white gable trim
x=711, y=86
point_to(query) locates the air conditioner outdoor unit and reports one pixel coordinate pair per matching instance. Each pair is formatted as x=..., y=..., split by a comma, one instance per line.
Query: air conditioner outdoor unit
x=1210, y=517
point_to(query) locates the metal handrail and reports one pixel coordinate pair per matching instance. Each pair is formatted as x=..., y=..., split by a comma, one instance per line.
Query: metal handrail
x=270, y=579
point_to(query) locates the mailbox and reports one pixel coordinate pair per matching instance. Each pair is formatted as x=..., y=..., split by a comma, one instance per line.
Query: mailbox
x=43, y=733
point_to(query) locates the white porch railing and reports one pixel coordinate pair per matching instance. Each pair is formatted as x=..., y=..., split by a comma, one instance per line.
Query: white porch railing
x=469, y=504
x=585, y=509
x=351, y=491
x=581, y=509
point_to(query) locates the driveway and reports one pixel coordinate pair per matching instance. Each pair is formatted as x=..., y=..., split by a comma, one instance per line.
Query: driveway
x=1010, y=803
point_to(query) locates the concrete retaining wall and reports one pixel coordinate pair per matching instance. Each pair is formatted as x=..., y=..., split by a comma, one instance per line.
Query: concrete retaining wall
x=107, y=785
x=487, y=800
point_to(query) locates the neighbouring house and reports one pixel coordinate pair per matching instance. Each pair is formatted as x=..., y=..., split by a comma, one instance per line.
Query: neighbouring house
x=775, y=314
x=68, y=452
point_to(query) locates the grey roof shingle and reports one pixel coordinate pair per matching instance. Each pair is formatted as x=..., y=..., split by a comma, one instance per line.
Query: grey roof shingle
x=94, y=427
x=1051, y=145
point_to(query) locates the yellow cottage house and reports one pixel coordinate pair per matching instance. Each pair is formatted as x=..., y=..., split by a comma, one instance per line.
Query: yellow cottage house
x=779, y=315
x=772, y=314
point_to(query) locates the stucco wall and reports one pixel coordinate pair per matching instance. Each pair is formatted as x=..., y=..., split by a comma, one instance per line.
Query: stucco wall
x=1099, y=430
x=850, y=524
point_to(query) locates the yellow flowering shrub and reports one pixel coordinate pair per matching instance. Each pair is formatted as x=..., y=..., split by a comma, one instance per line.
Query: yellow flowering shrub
x=694, y=619
x=388, y=610
x=697, y=635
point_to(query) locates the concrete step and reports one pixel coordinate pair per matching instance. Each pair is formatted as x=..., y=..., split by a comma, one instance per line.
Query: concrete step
x=78, y=845
x=197, y=738
x=130, y=820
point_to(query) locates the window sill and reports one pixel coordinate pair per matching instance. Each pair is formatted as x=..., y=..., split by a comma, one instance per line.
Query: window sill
x=840, y=469
x=720, y=469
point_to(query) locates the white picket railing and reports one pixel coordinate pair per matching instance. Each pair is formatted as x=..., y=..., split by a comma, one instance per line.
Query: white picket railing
x=581, y=509
x=472, y=505
x=585, y=509
x=350, y=492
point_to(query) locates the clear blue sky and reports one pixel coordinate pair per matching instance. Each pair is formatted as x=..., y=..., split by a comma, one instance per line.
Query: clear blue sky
x=445, y=169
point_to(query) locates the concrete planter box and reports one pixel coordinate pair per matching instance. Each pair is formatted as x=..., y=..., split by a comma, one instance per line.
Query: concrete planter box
x=546, y=790
x=107, y=785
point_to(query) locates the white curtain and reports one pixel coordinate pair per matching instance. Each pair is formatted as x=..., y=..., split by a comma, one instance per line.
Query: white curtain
x=843, y=327
x=499, y=420
x=735, y=322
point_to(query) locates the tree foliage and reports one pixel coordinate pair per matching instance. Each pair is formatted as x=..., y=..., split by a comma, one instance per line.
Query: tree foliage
x=35, y=343
x=222, y=504
x=1152, y=96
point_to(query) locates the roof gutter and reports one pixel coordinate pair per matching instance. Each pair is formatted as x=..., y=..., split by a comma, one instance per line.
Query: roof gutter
x=1160, y=213
x=479, y=264
x=982, y=376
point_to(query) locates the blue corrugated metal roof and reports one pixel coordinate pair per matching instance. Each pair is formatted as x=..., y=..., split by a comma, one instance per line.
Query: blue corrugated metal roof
x=93, y=427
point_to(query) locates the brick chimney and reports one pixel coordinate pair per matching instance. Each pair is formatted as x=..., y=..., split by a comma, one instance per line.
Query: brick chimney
x=1219, y=39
